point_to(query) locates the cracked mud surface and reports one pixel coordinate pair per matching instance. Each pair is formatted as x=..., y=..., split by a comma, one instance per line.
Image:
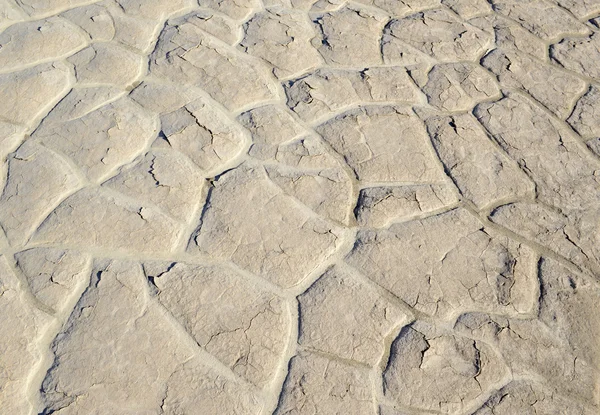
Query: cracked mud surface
x=300, y=207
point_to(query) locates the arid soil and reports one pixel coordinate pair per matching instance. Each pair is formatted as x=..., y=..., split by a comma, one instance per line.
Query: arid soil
x=299, y=207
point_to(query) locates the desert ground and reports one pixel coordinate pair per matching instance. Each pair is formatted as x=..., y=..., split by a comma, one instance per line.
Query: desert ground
x=299, y=207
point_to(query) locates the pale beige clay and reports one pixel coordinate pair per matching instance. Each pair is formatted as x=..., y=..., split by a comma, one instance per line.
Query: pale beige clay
x=300, y=207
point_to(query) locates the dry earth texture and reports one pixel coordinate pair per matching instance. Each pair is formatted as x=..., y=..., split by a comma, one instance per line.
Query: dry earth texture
x=300, y=207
